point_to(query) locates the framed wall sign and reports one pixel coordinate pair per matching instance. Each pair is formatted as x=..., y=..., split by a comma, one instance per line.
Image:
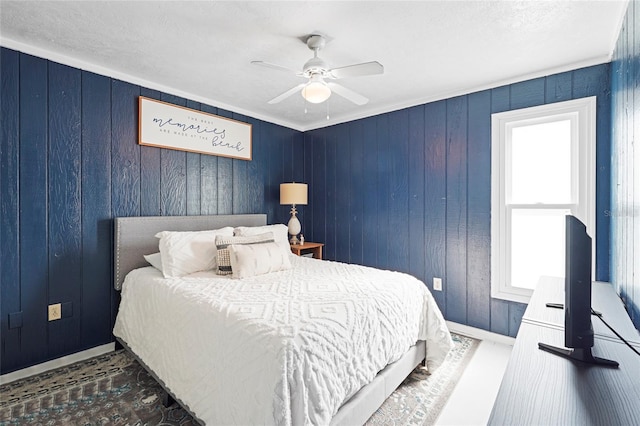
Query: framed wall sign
x=174, y=127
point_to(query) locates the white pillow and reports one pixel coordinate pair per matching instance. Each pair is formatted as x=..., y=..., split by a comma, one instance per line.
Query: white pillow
x=155, y=260
x=223, y=243
x=184, y=253
x=258, y=259
x=280, y=231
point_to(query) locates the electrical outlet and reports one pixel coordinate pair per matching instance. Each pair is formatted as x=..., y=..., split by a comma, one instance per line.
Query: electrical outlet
x=55, y=312
x=437, y=284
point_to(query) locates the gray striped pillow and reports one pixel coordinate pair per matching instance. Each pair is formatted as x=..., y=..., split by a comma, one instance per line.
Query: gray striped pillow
x=223, y=243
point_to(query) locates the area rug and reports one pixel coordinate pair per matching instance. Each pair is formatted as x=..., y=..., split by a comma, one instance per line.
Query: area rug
x=421, y=397
x=113, y=389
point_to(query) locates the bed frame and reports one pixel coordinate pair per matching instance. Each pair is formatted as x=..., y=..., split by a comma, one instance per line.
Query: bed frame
x=135, y=237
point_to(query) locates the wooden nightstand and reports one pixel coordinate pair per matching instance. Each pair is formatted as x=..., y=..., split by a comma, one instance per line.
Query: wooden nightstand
x=315, y=248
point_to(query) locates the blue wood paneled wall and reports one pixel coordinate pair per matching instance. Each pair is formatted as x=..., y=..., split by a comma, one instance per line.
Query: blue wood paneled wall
x=625, y=182
x=411, y=190
x=408, y=190
x=70, y=163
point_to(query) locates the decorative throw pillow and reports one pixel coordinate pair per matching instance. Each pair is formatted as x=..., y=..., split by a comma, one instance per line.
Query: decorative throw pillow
x=223, y=243
x=184, y=253
x=155, y=260
x=258, y=259
x=280, y=231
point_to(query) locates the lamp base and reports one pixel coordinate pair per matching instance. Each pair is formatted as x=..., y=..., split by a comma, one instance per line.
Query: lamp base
x=294, y=226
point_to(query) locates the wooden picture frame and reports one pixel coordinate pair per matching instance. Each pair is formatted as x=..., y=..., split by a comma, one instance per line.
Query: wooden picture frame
x=171, y=126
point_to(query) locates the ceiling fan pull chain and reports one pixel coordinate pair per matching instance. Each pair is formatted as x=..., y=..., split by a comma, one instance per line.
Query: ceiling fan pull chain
x=327, y=110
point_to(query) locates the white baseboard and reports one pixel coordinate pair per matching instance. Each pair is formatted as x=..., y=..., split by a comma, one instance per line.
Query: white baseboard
x=57, y=363
x=478, y=333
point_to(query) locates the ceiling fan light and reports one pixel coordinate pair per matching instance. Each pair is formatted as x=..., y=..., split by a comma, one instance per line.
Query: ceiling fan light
x=316, y=92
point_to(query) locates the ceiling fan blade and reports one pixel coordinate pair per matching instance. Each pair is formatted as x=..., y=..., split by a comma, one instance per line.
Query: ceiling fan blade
x=286, y=94
x=276, y=67
x=357, y=70
x=348, y=94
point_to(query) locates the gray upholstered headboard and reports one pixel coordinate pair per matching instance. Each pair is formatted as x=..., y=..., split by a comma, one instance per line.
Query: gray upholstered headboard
x=135, y=236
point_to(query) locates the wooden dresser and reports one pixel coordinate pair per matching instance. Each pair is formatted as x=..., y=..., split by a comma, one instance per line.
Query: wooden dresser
x=540, y=388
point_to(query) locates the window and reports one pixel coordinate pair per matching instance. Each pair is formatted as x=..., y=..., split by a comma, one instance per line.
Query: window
x=543, y=168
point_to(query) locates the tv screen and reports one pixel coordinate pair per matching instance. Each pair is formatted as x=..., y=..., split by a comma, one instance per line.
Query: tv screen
x=578, y=330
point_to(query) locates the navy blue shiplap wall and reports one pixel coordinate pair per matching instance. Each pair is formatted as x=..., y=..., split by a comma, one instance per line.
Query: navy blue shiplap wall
x=625, y=168
x=407, y=190
x=70, y=162
x=411, y=190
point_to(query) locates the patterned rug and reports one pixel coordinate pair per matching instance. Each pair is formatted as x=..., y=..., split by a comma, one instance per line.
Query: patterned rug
x=113, y=389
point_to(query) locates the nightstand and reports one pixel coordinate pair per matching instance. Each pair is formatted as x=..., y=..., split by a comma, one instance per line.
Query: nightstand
x=315, y=248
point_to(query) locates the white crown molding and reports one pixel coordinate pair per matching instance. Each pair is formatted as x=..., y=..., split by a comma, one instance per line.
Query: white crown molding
x=465, y=91
x=108, y=72
x=83, y=65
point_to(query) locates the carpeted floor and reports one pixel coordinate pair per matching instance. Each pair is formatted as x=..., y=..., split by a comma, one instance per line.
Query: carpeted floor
x=113, y=389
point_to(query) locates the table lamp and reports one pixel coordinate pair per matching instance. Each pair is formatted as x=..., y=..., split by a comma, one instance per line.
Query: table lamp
x=293, y=193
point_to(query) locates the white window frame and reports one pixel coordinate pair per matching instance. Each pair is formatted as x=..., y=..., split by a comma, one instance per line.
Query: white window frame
x=582, y=113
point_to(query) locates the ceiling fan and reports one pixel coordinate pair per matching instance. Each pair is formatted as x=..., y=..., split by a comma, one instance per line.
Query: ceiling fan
x=316, y=90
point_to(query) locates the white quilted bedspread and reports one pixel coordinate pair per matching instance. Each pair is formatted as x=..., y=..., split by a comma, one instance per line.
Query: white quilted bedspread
x=288, y=347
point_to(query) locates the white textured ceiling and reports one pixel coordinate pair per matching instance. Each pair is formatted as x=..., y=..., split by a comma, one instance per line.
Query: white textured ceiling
x=202, y=49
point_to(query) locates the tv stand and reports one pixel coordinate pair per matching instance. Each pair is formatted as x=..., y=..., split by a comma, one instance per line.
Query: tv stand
x=579, y=355
x=582, y=355
x=541, y=388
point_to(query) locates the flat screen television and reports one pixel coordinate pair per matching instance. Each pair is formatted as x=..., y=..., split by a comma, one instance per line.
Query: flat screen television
x=578, y=330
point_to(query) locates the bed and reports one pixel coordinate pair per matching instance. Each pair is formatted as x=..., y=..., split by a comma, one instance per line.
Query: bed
x=318, y=342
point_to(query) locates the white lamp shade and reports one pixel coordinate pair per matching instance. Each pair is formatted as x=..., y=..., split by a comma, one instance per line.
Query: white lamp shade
x=293, y=193
x=316, y=91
